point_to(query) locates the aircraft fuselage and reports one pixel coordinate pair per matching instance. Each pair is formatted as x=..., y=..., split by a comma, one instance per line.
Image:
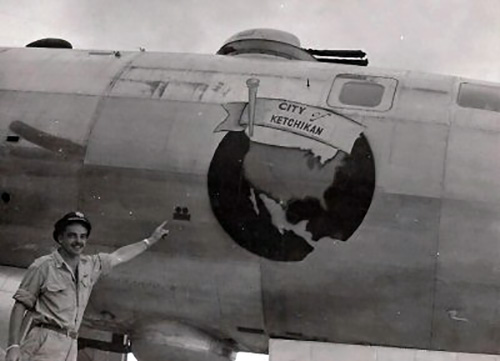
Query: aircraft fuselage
x=341, y=204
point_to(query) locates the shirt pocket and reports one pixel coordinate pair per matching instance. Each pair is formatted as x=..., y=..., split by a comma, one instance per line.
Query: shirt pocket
x=58, y=295
x=85, y=289
x=54, y=287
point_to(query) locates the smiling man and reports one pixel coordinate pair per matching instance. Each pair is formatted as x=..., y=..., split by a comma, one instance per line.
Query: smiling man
x=56, y=288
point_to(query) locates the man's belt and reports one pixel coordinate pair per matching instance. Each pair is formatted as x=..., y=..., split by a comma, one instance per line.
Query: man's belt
x=58, y=329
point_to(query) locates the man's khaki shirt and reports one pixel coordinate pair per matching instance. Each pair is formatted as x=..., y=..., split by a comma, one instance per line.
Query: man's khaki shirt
x=50, y=290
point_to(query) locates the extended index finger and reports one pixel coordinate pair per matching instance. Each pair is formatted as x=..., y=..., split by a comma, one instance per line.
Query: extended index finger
x=163, y=224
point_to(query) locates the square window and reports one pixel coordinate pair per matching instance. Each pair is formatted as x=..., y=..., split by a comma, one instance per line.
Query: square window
x=479, y=97
x=362, y=92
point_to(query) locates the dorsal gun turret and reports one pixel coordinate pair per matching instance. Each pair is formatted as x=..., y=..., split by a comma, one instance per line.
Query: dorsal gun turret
x=281, y=44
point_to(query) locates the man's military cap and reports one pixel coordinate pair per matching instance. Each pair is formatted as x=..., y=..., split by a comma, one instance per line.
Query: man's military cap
x=71, y=217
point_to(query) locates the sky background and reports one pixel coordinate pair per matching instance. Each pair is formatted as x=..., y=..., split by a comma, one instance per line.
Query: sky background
x=455, y=37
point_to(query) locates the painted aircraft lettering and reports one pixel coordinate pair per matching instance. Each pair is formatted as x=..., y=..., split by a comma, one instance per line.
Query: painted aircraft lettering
x=296, y=124
x=292, y=108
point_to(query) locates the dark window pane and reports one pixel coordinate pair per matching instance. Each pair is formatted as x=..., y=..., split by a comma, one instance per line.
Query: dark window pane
x=479, y=97
x=364, y=94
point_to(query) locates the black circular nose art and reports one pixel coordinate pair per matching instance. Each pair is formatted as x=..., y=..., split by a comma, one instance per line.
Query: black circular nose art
x=277, y=202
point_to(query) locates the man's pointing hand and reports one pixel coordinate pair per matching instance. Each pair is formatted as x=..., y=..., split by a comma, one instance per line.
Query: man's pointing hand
x=159, y=233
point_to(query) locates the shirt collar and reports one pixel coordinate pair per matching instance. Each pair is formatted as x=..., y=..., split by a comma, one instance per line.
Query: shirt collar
x=56, y=256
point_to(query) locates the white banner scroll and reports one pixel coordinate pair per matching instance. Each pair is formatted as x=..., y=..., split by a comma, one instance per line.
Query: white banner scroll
x=321, y=125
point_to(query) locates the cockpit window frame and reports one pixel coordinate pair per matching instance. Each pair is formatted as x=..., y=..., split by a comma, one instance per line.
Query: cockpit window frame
x=340, y=81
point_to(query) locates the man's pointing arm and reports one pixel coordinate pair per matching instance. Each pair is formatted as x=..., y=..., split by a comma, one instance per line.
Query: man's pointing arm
x=127, y=253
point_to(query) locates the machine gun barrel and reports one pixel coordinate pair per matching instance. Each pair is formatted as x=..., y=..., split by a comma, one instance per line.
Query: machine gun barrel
x=338, y=53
